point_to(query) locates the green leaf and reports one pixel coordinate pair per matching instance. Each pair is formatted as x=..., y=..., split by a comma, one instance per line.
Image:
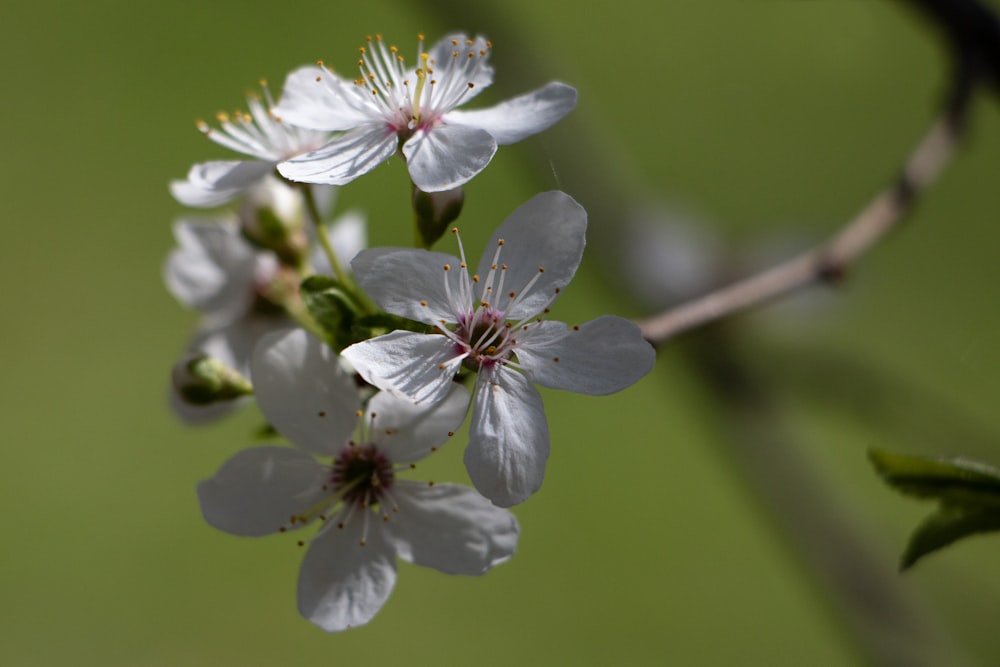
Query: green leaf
x=947, y=525
x=953, y=481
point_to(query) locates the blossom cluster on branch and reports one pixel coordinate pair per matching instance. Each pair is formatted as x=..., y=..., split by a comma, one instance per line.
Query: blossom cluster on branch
x=368, y=360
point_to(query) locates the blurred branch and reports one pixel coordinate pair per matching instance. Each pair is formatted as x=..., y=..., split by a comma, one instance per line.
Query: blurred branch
x=973, y=33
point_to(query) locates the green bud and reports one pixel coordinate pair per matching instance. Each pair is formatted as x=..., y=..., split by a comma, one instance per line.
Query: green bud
x=202, y=380
x=272, y=218
x=434, y=211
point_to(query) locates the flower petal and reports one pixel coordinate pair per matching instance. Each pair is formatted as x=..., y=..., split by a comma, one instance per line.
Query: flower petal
x=219, y=181
x=257, y=491
x=317, y=99
x=508, y=438
x=450, y=528
x=343, y=584
x=303, y=392
x=446, y=156
x=521, y=116
x=406, y=431
x=213, y=269
x=344, y=158
x=548, y=231
x=600, y=357
x=420, y=367
x=401, y=280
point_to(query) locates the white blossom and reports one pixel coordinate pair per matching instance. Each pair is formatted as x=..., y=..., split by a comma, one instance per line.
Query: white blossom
x=393, y=106
x=491, y=321
x=259, y=134
x=217, y=272
x=369, y=516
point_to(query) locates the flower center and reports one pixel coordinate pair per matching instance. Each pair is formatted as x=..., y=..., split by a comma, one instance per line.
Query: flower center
x=410, y=100
x=485, y=337
x=361, y=475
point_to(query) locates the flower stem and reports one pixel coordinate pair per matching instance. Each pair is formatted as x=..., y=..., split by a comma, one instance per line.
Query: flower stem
x=324, y=239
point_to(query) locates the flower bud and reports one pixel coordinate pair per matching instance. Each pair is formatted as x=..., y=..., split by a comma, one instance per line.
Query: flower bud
x=201, y=380
x=272, y=218
x=435, y=211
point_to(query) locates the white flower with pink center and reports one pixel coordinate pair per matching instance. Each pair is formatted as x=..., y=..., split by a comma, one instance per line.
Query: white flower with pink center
x=491, y=322
x=392, y=106
x=368, y=515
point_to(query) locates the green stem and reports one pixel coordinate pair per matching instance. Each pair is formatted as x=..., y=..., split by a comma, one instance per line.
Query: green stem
x=324, y=239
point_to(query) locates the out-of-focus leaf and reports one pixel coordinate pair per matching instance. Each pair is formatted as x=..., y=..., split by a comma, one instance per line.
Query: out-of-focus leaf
x=954, y=481
x=945, y=526
x=968, y=493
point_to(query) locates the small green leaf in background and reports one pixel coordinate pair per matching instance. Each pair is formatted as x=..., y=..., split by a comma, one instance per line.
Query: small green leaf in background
x=968, y=492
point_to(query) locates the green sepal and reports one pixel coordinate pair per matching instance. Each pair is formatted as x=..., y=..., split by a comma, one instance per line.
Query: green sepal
x=331, y=307
x=267, y=231
x=379, y=324
x=968, y=493
x=434, y=211
x=203, y=380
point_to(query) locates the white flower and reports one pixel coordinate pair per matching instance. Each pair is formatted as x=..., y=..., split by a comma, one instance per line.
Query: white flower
x=217, y=272
x=259, y=134
x=369, y=515
x=391, y=106
x=489, y=322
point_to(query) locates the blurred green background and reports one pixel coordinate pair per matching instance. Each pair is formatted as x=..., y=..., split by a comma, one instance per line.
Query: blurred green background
x=679, y=522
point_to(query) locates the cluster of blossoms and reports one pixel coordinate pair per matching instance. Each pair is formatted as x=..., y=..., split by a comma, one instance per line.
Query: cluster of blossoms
x=367, y=360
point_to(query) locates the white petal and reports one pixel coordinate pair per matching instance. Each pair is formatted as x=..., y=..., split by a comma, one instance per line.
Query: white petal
x=213, y=269
x=522, y=116
x=446, y=156
x=199, y=196
x=400, y=280
x=344, y=158
x=549, y=231
x=420, y=367
x=331, y=103
x=343, y=584
x=303, y=392
x=450, y=528
x=508, y=438
x=406, y=431
x=258, y=490
x=604, y=356
x=217, y=182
